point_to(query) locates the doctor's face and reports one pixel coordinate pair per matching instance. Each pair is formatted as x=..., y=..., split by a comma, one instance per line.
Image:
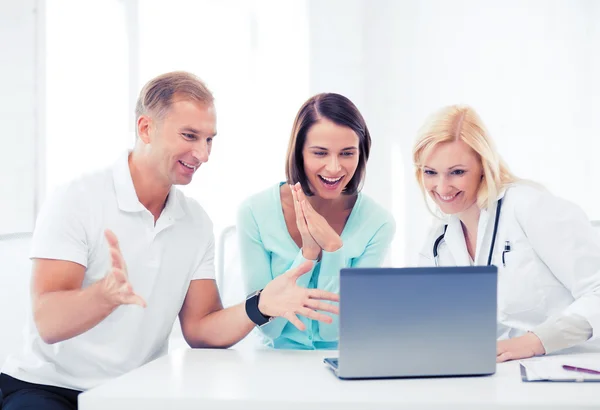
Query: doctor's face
x=451, y=175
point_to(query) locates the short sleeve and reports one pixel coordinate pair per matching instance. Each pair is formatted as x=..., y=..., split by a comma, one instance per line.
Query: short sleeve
x=60, y=230
x=205, y=266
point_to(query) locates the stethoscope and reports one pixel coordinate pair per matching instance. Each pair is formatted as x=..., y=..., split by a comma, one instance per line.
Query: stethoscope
x=437, y=242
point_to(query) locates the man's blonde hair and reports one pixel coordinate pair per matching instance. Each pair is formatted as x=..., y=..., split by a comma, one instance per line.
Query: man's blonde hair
x=461, y=122
x=157, y=95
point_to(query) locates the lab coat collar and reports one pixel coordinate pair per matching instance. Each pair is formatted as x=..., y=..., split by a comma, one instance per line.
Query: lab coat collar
x=485, y=230
x=455, y=238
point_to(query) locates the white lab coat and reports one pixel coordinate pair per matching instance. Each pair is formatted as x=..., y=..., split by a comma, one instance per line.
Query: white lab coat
x=552, y=271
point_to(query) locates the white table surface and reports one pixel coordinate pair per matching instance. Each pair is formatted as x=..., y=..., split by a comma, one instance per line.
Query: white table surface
x=281, y=380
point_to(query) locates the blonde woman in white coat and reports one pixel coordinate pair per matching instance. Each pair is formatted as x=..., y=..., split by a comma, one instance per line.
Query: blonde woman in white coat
x=546, y=251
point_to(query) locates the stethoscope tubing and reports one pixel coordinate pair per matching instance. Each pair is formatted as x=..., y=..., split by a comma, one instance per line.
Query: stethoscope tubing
x=440, y=238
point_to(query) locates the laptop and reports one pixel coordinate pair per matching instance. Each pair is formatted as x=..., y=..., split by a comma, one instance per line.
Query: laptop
x=416, y=322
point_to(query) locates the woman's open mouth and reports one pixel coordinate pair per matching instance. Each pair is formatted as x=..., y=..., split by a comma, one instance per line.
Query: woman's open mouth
x=330, y=183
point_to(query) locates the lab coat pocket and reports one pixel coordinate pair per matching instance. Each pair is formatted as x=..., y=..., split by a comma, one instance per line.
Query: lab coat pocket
x=518, y=283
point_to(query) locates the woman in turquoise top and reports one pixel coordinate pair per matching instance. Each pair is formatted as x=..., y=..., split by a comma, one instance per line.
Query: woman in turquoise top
x=319, y=215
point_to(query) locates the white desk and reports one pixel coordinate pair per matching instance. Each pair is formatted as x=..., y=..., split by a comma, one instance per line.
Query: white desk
x=282, y=380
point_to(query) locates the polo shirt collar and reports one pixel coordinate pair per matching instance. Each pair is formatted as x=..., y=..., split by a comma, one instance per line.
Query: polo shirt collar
x=127, y=198
x=173, y=208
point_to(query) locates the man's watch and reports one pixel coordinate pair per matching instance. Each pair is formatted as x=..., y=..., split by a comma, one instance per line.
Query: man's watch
x=252, y=311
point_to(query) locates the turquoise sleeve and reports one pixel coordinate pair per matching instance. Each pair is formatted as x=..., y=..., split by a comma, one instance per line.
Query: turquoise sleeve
x=256, y=264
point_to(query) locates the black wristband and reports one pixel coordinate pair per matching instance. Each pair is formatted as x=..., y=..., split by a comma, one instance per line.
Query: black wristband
x=253, y=312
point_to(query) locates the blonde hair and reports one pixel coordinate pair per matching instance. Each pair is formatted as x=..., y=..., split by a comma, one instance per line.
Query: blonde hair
x=461, y=122
x=157, y=95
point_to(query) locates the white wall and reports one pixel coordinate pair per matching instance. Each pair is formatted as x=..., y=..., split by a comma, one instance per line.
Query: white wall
x=15, y=273
x=18, y=115
x=87, y=102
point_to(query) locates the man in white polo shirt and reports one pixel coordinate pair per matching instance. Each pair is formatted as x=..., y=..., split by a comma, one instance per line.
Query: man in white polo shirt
x=103, y=306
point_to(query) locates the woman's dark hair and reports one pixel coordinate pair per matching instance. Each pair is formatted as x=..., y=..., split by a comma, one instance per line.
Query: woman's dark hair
x=339, y=110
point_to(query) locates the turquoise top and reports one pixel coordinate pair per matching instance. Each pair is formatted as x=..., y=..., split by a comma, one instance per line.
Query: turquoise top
x=268, y=250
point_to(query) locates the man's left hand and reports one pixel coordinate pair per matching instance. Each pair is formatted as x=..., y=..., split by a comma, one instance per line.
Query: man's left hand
x=283, y=297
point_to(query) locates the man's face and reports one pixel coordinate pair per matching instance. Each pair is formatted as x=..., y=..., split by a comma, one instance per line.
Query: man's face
x=181, y=141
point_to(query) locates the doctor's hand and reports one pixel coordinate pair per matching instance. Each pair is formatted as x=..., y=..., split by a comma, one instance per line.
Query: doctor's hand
x=521, y=347
x=115, y=286
x=310, y=248
x=325, y=236
x=283, y=297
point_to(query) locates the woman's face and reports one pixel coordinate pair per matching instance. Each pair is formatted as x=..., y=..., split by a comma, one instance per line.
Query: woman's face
x=452, y=174
x=331, y=154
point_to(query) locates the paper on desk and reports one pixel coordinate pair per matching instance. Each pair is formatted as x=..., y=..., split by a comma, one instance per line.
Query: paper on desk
x=550, y=368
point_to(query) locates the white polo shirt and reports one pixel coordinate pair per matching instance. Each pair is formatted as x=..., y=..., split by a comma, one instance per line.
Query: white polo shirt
x=161, y=260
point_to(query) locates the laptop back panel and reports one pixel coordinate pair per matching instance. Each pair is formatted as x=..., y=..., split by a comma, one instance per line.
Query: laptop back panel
x=417, y=322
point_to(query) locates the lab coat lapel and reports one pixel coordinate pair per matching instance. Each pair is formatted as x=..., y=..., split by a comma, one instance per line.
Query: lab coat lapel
x=455, y=240
x=485, y=231
x=484, y=235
